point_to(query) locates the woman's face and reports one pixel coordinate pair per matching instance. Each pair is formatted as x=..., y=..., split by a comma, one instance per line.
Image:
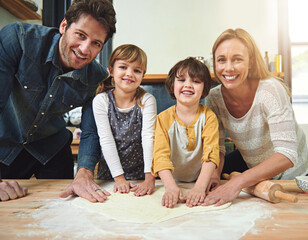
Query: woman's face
x=232, y=63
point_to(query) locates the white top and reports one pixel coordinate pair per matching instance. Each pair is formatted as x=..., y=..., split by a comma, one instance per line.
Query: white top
x=268, y=127
x=107, y=142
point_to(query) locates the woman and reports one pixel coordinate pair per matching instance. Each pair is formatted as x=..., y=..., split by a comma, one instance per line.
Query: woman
x=254, y=109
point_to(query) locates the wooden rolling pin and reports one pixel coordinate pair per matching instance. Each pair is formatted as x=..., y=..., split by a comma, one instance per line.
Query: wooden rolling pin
x=267, y=190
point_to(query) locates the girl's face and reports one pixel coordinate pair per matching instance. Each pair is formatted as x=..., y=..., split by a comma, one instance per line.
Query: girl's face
x=187, y=90
x=232, y=63
x=127, y=75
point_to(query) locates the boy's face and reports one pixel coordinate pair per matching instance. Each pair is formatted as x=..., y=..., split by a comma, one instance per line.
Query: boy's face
x=81, y=42
x=187, y=90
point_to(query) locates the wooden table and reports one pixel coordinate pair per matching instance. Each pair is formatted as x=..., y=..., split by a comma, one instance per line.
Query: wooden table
x=287, y=220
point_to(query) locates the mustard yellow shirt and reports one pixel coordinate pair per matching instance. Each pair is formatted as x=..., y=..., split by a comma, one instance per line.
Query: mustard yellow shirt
x=183, y=148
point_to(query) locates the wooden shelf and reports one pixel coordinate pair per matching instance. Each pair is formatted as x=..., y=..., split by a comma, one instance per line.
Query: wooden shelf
x=20, y=10
x=75, y=146
x=160, y=78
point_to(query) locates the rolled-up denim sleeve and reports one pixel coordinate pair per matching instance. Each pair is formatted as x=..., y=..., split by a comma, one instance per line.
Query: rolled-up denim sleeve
x=89, y=148
x=10, y=54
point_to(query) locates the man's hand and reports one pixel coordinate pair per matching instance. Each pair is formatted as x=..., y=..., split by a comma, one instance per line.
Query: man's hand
x=11, y=190
x=85, y=187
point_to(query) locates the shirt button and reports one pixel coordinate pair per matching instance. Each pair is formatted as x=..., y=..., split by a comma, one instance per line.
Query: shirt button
x=30, y=134
x=192, y=140
x=42, y=113
x=35, y=126
x=50, y=95
x=71, y=106
x=209, y=147
x=59, y=78
x=25, y=87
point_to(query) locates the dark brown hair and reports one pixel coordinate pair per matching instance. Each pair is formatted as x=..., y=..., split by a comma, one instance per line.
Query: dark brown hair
x=101, y=10
x=195, y=68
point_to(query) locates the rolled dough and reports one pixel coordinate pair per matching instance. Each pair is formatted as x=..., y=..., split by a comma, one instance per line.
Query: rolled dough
x=145, y=209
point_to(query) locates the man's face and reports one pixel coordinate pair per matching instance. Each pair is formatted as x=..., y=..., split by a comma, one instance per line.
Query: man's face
x=81, y=42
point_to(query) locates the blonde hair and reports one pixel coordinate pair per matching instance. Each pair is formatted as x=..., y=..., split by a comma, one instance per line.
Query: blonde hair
x=129, y=53
x=258, y=70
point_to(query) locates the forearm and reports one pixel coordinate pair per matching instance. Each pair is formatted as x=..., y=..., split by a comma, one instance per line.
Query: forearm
x=205, y=175
x=149, y=114
x=84, y=172
x=167, y=179
x=149, y=177
x=89, y=149
x=269, y=168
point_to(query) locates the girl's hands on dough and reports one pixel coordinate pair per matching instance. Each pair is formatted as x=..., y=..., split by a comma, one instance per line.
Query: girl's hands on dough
x=122, y=185
x=171, y=197
x=146, y=187
x=195, y=196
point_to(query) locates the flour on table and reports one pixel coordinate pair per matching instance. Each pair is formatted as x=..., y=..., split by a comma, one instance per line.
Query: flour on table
x=145, y=209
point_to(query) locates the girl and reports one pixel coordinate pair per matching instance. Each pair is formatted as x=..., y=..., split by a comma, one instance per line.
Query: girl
x=254, y=108
x=125, y=116
x=186, y=136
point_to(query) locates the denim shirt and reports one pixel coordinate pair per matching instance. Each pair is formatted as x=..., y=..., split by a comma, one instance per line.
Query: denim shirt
x=35, y=93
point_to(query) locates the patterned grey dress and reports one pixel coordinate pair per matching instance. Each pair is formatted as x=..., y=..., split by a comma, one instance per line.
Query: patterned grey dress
x=126, y=129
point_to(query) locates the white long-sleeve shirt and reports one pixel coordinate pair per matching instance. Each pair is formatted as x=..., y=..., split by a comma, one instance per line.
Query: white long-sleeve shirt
x=107, y=142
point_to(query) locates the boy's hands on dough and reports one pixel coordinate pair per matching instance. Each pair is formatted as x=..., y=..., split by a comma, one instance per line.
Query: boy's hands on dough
x=195, y=196
x=214, y=182
x=146, y=187
x=85, y=187
x=172, y=196
x=122, y=185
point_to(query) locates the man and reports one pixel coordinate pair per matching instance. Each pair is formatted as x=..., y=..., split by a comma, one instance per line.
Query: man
x=45, y=72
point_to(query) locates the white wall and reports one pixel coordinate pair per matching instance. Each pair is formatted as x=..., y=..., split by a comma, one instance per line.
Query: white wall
x=171, y=30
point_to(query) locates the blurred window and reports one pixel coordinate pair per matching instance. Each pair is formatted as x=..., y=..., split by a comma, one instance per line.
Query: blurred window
x=298, y=19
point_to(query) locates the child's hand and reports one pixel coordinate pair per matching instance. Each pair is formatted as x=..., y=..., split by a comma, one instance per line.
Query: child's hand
x=171, y=197
x=146, y=187
x=122, y=185
x=195, y=196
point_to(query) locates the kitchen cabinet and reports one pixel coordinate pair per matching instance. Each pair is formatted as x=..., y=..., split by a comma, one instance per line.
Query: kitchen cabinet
x=20, y=10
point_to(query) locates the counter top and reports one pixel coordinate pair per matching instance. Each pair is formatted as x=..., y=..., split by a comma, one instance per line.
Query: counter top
x=43, y=215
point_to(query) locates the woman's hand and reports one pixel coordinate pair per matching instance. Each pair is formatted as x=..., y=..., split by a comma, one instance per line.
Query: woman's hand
x=172, y=196
x=122, y=185
x=195, y=196
x=146, y=187
x=223, y=194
